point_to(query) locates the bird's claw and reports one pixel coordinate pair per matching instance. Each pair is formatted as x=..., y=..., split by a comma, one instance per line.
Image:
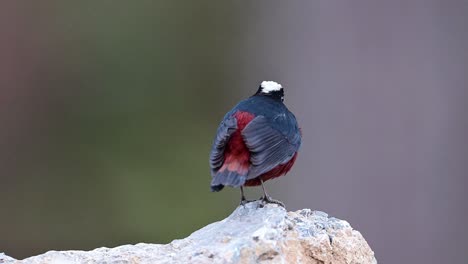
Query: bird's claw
x=243, y=202
x=267, y=199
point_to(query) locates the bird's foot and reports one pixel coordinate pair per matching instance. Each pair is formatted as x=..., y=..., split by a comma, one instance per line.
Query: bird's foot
x=267, y=199
x=243, y=202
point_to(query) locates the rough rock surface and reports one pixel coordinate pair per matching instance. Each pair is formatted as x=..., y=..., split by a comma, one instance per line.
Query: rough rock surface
x=6, y=259
x=251, y=234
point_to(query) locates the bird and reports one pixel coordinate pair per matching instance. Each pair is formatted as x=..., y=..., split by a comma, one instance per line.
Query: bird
x=256, y=141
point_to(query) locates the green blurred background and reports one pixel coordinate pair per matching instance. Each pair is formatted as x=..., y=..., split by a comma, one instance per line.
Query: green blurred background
x=121, y=101
x=108, y=110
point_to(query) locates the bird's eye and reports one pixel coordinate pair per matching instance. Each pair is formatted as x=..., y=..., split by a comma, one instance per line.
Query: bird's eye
x=282, y=98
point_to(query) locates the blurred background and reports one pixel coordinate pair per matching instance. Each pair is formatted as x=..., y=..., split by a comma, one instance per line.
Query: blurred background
x=108, y=110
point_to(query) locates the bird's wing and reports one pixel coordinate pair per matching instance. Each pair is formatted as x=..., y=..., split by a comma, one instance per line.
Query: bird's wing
x=270, y=147
x=227, y=127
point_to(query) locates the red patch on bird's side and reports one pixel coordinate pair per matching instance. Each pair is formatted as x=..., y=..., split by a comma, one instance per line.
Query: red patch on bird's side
x=236, y=154
x=275, y=172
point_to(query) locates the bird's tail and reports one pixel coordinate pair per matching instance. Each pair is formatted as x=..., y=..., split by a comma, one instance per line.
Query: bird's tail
x=234, y=176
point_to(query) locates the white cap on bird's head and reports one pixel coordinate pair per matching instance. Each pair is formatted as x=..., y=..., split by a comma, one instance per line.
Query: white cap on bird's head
x=271, y=89
x=270, y=86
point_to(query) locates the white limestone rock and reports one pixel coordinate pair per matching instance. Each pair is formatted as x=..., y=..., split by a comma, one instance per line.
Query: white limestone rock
x=251, y=234
x=4, y=258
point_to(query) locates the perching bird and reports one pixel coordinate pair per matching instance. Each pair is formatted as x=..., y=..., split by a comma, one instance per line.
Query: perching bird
x=257, y=141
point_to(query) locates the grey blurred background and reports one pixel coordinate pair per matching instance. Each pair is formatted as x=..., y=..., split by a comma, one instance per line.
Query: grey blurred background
x=108, y=110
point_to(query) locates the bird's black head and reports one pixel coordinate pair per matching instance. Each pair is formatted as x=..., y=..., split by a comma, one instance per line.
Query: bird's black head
x=271, y=89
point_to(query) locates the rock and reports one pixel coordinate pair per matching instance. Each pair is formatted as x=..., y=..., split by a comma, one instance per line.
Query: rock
x=251, y=234
x=5, y=259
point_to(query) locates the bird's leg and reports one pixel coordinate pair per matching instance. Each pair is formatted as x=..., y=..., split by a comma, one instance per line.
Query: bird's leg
x=243, y=200
x=268, y=199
